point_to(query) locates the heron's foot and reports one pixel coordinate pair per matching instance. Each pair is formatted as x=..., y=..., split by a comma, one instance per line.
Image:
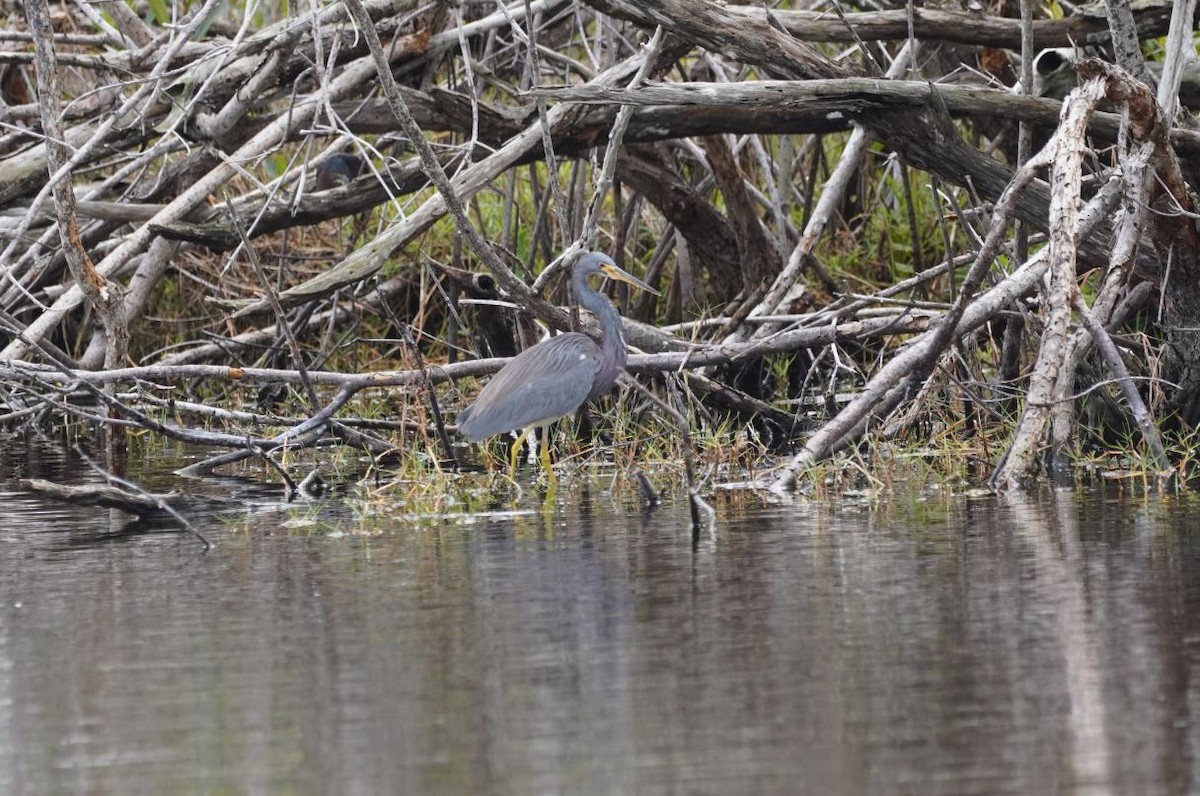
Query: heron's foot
x=551, y=478
x=551, y=481
x=514, y=456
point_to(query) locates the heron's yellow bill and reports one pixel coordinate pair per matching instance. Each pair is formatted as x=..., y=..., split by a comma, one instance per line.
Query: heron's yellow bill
x=613, y=272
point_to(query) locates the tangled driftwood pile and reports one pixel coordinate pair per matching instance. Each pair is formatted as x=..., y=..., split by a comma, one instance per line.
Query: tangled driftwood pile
x=148, y=161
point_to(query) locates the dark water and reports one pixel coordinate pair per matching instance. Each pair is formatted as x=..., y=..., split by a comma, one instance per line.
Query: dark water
x=924, y=646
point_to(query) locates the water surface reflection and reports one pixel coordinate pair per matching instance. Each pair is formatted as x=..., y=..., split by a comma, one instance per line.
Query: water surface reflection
x=928, y=646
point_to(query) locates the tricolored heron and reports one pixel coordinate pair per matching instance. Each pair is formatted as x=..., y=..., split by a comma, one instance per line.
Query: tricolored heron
x=555, y=377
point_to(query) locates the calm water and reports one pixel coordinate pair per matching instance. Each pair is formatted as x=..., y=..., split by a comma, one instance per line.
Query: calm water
x=927, y=646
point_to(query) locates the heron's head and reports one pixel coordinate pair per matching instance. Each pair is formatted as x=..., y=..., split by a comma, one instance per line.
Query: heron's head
x=603, y=265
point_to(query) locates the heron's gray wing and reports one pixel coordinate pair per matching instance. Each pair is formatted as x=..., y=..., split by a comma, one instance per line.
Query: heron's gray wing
x=542, y=383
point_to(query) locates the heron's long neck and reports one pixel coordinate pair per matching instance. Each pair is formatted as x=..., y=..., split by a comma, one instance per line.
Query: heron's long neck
x=613, y=343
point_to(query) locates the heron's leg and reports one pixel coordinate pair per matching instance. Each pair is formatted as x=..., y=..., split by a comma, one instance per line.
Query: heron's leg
x=515, y=456
x=545, y=457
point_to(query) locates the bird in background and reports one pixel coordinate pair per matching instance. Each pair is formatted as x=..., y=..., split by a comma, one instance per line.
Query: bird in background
x=554, y=378
x=337, y=170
